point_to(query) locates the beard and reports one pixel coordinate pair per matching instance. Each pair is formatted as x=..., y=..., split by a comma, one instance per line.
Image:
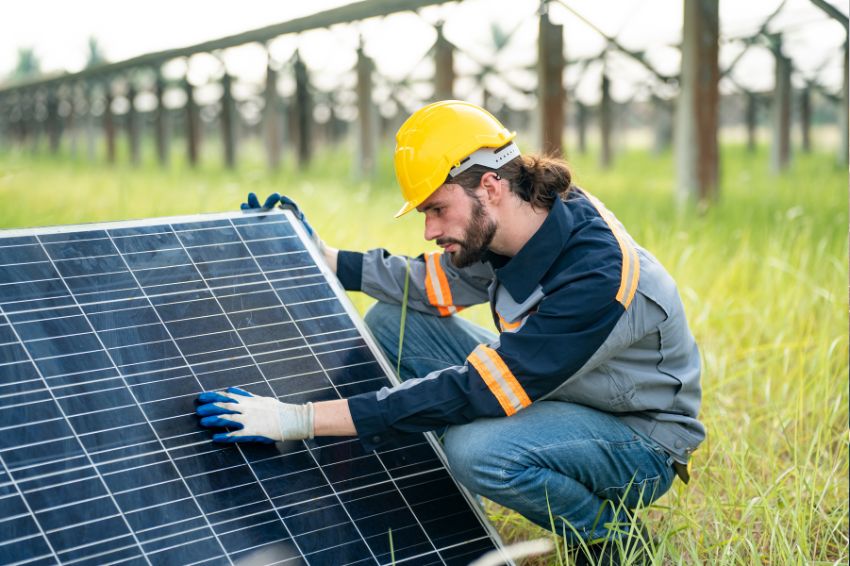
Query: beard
x=477, y=237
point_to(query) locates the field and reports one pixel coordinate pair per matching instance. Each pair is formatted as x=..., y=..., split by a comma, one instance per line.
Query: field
x=763, y=275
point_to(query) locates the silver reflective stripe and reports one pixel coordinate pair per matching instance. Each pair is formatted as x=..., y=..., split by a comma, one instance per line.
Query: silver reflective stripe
x=431, y=263
x=385, y=392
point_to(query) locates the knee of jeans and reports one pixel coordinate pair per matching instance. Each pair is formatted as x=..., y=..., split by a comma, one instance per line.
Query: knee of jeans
x=383, y=315
x=473, y=461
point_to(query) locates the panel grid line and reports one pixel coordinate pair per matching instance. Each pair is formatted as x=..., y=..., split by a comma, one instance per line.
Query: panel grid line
x=401, y=494
x=82, y=446
x=156, y=295
x=110, y=551
x=153, y=430
x=148, y=343
x=239, y=235
x=192, y=369
x=27, y=504
x=376, y=454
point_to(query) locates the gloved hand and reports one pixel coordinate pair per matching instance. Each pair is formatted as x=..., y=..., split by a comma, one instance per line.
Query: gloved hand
x=255, y=418
x=283, y=202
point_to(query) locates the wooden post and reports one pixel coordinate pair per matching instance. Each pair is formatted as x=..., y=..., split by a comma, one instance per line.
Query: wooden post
x=581, y=127
x=304, y=111
x=805, y=119
x=844, y=131
x=36, y=125
x=23, y=119
x=5, y=122
x=337, y=124
x=193, y=137
x=72, y=92
x=90, y=93
x=365, y=114
x=54, y=127
x=10, y=115
x=271, y=117
x=605, y=123
x=161, y=122
x=228, y=121
x=109, y=122
x=844, y=111
x=486, y=97
x=27, y=106
x=551, y=96
x=17, y=117
x=663, y=125
x=780, y=150
x=290, y=124
x=697, y=109
x=752, y=121
x=133, y=126
x=444, y=72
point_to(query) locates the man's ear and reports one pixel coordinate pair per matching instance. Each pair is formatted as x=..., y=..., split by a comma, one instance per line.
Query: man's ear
x=493, y=187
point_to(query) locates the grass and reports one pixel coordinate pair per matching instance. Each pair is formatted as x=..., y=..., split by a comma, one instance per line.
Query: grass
x=763, y=275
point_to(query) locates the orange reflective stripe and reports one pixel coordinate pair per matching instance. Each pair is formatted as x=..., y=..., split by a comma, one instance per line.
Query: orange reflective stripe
x=499, y=379
x=631, y=262
x=494, y=387
x=635, y=277
x=437, y=285
x=508, y=377
x=508, y=326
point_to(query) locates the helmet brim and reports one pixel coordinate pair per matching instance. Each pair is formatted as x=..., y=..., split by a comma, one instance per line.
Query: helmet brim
x=408, y=206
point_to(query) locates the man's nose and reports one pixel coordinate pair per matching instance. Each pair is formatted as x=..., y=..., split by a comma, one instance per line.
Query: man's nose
x=432, y=229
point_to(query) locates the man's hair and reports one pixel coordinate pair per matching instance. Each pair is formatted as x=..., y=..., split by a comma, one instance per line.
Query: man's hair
x=536, y=179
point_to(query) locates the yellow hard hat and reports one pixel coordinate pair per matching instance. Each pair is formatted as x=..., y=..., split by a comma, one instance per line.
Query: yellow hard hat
x=435, y=139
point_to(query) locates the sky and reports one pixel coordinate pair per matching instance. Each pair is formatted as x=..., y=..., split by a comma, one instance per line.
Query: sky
x=59, y=31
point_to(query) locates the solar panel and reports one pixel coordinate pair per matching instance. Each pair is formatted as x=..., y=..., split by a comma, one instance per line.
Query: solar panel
x=108, y=333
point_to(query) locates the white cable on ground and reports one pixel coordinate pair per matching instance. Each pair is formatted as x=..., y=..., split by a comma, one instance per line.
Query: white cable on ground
x=515, y=552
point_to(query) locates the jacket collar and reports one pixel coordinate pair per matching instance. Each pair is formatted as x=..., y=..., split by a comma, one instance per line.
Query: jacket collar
x=522, y=273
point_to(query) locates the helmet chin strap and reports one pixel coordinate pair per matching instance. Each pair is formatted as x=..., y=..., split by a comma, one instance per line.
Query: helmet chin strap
x=492, y=157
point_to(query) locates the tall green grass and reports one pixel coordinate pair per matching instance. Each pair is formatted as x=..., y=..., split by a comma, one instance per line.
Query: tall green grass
x=763, y=275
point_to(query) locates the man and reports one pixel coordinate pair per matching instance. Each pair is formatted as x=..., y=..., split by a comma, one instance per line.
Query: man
x=583, y=406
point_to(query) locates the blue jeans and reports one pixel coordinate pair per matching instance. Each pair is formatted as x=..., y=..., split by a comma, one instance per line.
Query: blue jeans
x=559, y=464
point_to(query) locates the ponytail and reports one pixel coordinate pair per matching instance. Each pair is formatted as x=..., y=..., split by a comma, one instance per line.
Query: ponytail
x=537, y=179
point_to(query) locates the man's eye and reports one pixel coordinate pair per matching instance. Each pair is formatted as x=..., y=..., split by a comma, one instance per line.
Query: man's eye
x=437, y=211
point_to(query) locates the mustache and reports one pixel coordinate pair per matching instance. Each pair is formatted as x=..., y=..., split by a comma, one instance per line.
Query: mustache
x=447, y=241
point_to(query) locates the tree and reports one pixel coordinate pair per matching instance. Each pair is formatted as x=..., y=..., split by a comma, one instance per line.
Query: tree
x=96, y=54
x=28, y=65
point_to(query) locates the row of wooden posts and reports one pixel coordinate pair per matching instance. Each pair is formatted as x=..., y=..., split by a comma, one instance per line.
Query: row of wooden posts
x=24, y=114
x=26, y=109
x=21, y=118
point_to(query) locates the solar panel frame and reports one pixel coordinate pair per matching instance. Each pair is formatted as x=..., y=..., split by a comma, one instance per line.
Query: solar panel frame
x=338, y=293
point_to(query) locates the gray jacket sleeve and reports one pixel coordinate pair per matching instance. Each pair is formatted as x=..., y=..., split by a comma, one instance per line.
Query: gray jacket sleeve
x=435, y=285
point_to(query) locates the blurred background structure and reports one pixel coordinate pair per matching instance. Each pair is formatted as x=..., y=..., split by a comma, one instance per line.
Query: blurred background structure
x=562, y=72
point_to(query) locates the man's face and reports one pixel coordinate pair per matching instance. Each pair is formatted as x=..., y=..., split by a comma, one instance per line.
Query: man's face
x=459, y=223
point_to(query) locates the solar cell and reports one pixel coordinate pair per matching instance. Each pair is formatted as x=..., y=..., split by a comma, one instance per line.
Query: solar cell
x=108, y=333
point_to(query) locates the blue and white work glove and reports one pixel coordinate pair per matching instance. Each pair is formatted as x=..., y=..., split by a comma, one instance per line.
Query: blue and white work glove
x=254, y=418
x=283, y=202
